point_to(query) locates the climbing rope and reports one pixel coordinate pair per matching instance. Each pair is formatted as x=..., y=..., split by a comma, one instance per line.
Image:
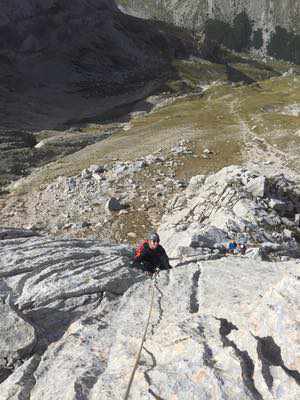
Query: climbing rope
x=154, y=278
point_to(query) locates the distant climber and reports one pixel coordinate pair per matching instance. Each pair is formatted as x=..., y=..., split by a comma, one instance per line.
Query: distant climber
x=241, y=248
x=235, y=247
x=231, y=247
x=150, y=255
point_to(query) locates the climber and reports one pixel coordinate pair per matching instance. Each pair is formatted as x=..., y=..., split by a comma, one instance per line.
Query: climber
x=241, y=248
x=231, y=247
x=151, y=256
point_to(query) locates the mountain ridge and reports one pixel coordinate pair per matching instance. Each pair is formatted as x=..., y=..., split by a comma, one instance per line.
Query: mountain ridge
x=274, y=25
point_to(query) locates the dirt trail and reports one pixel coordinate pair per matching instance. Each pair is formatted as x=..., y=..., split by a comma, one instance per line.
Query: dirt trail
x=259, y=154
x=224, y=126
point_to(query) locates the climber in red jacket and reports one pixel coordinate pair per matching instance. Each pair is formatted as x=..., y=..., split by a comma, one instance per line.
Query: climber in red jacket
x=150, y=255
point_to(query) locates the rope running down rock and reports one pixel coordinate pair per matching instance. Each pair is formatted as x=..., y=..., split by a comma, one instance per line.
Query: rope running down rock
x=126, y=397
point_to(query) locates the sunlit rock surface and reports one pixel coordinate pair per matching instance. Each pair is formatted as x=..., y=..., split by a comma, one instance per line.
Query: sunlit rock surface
x=225, y=328
x=234, y=203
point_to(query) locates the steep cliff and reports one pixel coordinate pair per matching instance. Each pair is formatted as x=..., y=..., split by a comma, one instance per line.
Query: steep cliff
x=266, y=13
x=264, y=16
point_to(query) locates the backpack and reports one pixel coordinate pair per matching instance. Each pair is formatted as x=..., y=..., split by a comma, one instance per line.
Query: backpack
x=232, y=246
x=140, y=248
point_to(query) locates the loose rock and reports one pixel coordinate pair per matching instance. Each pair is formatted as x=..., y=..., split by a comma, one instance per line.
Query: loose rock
x=113, y=205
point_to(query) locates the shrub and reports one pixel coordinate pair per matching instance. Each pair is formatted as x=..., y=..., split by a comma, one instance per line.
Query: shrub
x=257, y=41
x=236, y=37
x=284, y=45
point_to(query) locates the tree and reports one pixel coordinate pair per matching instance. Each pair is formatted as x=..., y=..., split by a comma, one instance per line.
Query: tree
x=281, y=44
x=257, y=41
x=242, y=31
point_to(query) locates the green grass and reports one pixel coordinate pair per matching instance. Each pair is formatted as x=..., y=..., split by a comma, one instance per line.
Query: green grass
x=210, y=120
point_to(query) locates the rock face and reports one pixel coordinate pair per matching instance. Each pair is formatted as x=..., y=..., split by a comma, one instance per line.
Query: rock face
x=12, y=233
x=17, y=338
x=266, y=14
x=49, y=283
x=234, y=204
x=225, y=328
x=262, y=26
x=205, y=339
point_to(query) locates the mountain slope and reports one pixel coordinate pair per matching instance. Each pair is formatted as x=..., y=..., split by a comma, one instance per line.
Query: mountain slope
x=71, y=60
x=62, y=62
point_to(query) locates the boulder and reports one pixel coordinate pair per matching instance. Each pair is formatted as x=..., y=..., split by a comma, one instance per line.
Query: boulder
x=86, y=174
x=17, y=337
x=196, y=182
x=20, y=383
x=257, y=186
x=113, y=204
x=288, y=234
x=137, y=166
x=153, y=159
x=71, y=183
x=96, y=169
x=276, y=204
x=245, y=209
x=210, y=237
x=120, y=168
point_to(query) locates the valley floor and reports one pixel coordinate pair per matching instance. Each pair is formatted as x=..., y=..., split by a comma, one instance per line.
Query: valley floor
x=211, y=124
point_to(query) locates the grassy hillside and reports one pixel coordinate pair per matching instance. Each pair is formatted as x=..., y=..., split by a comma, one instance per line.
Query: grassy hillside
x=84, y=69
x=225, y=118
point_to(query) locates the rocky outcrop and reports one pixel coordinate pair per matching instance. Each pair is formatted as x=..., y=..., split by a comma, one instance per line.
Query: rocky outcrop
x=75, y=310
x=234, y=204
x=17, y=339
x=264, y=27
x=12, y=233
x=42, y=271
x=193, y=14
x=47, y=284
x=224, y=327
x=205, y=335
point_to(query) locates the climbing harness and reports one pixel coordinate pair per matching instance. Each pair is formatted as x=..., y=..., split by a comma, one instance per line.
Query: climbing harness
x=154, y=281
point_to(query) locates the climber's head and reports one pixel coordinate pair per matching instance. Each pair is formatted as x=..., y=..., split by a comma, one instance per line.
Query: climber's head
x=153, y=240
